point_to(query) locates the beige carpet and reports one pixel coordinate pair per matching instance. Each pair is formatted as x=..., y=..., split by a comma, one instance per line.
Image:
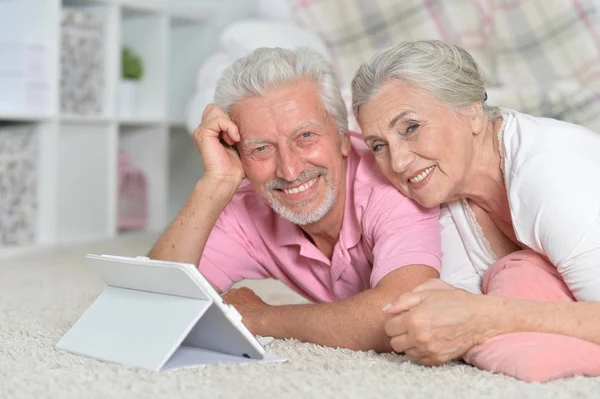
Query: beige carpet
x=42, y=294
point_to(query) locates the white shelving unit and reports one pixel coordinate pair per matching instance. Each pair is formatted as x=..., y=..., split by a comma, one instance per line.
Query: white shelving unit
x=77, y=167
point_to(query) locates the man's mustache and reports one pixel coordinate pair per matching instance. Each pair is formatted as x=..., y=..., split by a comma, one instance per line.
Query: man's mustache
x=278, y=184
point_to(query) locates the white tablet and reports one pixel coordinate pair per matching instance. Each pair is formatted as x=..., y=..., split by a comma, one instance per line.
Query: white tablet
x=153, y=311
x=185, y=280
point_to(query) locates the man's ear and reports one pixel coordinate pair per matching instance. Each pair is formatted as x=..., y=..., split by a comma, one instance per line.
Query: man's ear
x=477, y=117
x=346, y=144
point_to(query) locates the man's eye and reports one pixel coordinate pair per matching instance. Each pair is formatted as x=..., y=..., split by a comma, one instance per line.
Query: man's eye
x=306, y=134
x=261, y=148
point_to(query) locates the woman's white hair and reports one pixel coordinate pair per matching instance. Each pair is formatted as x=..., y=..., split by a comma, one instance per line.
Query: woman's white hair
x=267, y=68
x=445, y=71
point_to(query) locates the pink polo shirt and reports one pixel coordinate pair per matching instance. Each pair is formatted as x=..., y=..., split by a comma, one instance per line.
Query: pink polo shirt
x=382, y=231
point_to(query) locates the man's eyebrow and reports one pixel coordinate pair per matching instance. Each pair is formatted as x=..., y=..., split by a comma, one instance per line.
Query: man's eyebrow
x=253, y=141
x=397, y=118
x=307, y=124
x=261, y=140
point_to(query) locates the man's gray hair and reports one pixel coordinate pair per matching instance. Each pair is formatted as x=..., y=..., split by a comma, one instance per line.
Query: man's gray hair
x=269, y=68
x=445, y=71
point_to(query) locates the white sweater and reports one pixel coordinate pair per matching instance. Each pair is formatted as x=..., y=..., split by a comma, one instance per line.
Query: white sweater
x=552, y=175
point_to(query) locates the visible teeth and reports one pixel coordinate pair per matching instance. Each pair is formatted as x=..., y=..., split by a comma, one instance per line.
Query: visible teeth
x=303, y=187
x=421, y=175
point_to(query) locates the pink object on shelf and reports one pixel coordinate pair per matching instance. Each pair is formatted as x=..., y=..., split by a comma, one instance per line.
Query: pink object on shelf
x=132, y=196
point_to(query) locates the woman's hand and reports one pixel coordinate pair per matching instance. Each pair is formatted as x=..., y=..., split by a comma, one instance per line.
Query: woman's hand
x=215, y=139
x=436, y=323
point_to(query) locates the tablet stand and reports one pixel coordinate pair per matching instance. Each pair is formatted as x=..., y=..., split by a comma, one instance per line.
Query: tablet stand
x=148, y=325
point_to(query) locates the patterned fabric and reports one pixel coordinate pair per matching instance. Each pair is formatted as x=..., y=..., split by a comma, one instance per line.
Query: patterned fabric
x=353, y=29
x=548, y=58
x=540, y=57
x=540, y=42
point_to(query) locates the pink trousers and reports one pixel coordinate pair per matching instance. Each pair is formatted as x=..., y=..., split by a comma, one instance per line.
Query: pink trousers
x=532, y=356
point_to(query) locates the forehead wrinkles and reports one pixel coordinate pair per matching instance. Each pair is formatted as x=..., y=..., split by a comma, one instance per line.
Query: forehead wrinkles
x=380, y=113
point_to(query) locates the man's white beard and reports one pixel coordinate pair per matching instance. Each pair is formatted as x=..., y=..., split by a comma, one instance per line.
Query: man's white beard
x=300, y=216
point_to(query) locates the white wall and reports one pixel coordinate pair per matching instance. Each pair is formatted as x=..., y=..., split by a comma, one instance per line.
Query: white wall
x=185, y=163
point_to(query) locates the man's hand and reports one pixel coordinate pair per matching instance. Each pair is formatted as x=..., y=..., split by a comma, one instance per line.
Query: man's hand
x=249, y=305
x=215, y=139
x=354, y=323
x=185, y=239
x=436, y=323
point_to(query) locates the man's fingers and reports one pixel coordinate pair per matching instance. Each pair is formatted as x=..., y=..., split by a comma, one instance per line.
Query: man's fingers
x=207, y=110
x=224, y=126
x=212, y=111
x=396, y=326
x=214, y=118
x=414, y=353
x=221, y=127
x=400, y=343
x=429, y=361
x=403, y=303
x=231, y=137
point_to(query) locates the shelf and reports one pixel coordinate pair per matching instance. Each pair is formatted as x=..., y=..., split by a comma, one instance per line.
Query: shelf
x=83, y=3
x=184, y=10
x=146, y=148
x=140, y=122
x=146, y=35
x=50, y=54
x=71, y=118
x=187, y=14
x=178, y=124
x=185, y=58
x=85, y=181
x=23, y=117
x=133, y=7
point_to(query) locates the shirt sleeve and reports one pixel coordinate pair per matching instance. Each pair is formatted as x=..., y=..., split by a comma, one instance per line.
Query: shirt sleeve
x=230, y=255
x=403, y=233
x=555, y=203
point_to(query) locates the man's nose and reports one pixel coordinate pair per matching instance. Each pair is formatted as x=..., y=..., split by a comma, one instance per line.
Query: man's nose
x=289, y=165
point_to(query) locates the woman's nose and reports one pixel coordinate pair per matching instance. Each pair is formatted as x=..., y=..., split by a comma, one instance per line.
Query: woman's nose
x=401, y=157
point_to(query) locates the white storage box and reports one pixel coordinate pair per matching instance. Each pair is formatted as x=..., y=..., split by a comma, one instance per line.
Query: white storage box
x=82, y=79
x=18, y=184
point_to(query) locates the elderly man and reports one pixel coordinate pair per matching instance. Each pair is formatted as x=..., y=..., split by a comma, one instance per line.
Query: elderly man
x=314, y=212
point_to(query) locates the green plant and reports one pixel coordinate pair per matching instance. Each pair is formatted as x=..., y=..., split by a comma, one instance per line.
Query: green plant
x=133, y=67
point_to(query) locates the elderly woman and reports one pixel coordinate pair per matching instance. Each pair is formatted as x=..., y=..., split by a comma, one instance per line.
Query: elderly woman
x=524, y=197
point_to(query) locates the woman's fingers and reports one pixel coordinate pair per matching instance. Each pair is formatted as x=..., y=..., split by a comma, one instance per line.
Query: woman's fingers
x=403, y=303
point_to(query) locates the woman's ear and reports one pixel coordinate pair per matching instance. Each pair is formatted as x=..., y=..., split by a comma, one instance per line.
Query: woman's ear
x=478, y=118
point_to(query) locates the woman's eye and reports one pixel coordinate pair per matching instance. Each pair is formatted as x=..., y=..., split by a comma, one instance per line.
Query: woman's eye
x=412, y=127
x=377, y=147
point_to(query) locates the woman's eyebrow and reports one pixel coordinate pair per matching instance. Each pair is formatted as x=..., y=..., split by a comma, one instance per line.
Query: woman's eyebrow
x=396, y=118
